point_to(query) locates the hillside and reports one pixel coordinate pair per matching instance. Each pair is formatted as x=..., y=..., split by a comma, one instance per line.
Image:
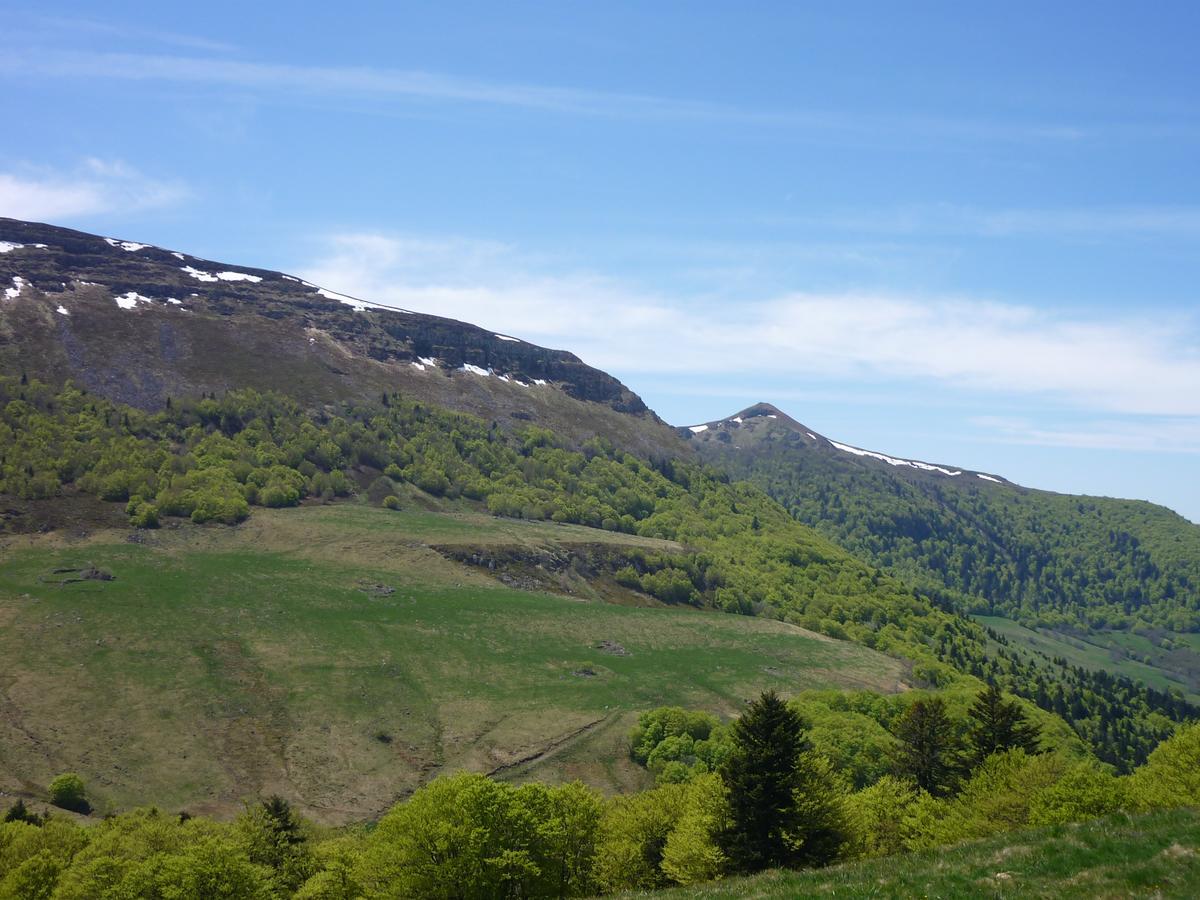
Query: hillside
x=140, y=324
x=1081, y=567
x=1156, y=855
x=341, y=656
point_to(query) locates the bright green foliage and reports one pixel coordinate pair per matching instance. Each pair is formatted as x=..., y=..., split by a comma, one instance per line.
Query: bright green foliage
x=466, y=835
x=691, y=854
x=929, y=747
x=860, y=748
x=274, y=838
x=67, y=792
x=877, y=816
x=663, y=836
x=677, y=745
x=142, y=513
x=996, y=725
x=783, y=802
x=32, y=857
x=997, y=797
x=1085, y=791
x=1171, y=776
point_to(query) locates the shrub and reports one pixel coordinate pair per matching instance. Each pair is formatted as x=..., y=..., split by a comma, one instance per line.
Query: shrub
x=391, y=501
x=67, y=792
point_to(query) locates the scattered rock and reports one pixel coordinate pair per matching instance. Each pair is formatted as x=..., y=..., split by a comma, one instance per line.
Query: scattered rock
x=376, y=590
x=584, y=673
x=612, y=647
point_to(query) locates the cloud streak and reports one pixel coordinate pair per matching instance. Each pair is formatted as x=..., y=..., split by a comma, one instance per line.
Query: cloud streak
x=956, y=220
x=364, y=82
x=1157, y=435
x=96, y=187
x=1134, y=365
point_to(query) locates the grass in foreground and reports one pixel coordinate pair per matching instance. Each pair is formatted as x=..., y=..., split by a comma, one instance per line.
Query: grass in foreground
x=1156, y=855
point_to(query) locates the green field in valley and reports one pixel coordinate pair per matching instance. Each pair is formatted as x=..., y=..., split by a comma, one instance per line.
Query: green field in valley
x=1118, y=652
x=330, y=654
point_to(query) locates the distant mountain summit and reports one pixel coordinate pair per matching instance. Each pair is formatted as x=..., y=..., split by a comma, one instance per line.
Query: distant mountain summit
x=139, y=323
x=764, y=424
x=975, y=540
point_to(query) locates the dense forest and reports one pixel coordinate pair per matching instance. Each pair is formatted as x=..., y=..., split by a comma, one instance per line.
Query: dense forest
x=213, y=459
x=1040, y=558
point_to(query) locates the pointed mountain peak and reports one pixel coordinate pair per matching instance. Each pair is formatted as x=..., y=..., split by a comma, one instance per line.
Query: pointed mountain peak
x=758, y=415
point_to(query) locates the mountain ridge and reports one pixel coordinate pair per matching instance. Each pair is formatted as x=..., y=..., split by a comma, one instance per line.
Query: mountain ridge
x=138, y=324
x=742, y=424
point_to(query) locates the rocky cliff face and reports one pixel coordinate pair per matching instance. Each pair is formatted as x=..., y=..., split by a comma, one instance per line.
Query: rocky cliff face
x=139, y=324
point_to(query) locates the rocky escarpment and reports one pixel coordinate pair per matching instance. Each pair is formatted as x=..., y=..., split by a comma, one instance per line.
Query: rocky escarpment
x=139, y=324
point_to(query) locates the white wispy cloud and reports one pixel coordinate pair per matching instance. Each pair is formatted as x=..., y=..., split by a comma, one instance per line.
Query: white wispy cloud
x=1157, y=435
x=94, y=187
x=125, y=31
x=1144, y=365
x=958, y=220
x=288, y=81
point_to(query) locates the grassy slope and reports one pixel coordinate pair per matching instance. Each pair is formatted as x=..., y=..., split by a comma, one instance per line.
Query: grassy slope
x=1148, y=856
x=225, y=662
x=1100, y=651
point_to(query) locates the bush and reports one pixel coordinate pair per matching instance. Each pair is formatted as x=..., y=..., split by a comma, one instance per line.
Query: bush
x=391, y=501
x=142, y=514
x=67, y=792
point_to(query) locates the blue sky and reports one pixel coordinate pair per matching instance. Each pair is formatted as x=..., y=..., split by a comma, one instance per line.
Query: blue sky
x=967, y=233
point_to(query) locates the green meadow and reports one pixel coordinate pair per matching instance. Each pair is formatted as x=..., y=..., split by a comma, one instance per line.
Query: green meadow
x=331, y=654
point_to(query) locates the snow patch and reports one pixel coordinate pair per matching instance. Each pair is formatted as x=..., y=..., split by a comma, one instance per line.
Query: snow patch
x=353, y=302
x=9, y=246
x=174, y=302
x=291, y=278
x=62, y=310
x=696, y=429
x=475, y=370
x=893, y=461
x=987, y=477
x=130, y=300
x=540, y=382
x=219, y=276
x=811, y=435
x=177, y=254
x=737, y=419
x=505, y=337
x=15, y=291
x=131, y=246
x=772, y=416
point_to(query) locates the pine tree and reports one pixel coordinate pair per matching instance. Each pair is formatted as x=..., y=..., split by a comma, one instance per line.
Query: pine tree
x=929, y=747
x=996, y=725
x=783, y=809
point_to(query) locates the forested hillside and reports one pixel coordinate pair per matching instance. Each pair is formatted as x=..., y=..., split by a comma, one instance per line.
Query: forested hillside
x=981, y=544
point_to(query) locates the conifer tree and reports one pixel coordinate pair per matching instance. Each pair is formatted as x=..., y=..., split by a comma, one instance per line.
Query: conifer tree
x=782, y=804
x=929, y=747
x=997, y=725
